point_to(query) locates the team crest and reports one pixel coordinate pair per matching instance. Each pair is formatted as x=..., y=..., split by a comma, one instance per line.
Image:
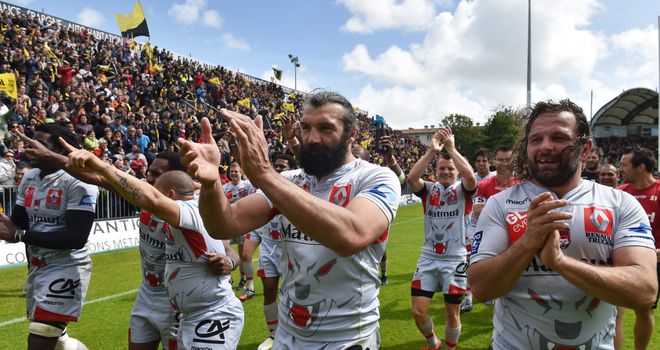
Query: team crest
x=434, y=199
x=230, y=195
x=564, y=238
x=54, y=199
x=340, y=195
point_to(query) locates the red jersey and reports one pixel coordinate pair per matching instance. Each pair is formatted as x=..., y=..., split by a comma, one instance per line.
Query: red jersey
x=648, y=198
x=489, y=187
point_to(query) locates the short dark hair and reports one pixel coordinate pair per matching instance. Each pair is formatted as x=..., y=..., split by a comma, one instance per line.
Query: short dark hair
x=290, y=160
x=56, y=131
x=482, y=152
x=22, y=165
x=173, y=159
x=320, y=97
x=582, y=130
x=643, y=156
x=504, y=148
x=445, y=156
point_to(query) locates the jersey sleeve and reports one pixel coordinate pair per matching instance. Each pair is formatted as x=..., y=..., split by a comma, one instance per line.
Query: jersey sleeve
x=82, y=196
x=20, y=194
x=189, y=217
x=382, y=188
x=490, y=237
x=480, y=197
x=633, y=228
x=425, y=190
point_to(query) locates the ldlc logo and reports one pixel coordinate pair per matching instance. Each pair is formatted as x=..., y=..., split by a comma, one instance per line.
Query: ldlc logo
x=207, y=329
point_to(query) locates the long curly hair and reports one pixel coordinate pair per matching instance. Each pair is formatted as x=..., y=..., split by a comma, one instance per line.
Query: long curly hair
x=530, y=114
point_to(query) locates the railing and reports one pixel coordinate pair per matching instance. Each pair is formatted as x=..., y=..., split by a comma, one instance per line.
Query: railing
x=109, y=205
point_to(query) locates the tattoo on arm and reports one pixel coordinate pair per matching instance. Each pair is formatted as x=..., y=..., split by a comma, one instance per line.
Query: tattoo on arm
x=126, y=187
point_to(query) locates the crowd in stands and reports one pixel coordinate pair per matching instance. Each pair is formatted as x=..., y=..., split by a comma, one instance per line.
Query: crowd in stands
x=129, y=101
x=613, y=147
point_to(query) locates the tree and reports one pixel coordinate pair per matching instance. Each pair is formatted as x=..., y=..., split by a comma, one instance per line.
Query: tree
x=502, y=128
x=468, y=137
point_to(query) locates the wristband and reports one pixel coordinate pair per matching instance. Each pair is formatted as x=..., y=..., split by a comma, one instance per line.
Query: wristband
x=233, y=263
x=391, y=165
x=288, y=142
x=402, y=178
x=18, y=235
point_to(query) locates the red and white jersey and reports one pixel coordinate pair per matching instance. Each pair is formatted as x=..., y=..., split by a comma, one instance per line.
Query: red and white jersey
x=46, y=202
x=190, y=284
x=446, y=214
x=648, y=198
x=543, y=310
x=325, y=297
x=152, y=250
x=490, y=187
x=236, y=192
x=268, y=234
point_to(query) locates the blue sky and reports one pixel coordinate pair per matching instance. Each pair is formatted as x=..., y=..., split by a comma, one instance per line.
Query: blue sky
x=412, y=61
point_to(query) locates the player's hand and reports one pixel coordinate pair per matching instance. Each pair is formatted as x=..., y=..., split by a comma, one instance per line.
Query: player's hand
x=252, y=143
x=447, y=137
x=386, y=144
x=36, y=150
x=219, y=264
x=543, y=219
x=551, y=254
x=437, y=142
x=81, y=160
x=289, y=125
x=203, y=158
x=7, y=228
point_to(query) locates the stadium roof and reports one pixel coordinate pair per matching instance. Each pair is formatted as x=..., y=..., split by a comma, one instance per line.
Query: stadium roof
x=632, y=107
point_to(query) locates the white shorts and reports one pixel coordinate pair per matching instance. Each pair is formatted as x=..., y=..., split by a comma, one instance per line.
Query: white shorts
x=285, y=341
x=270, y=260
x=237, y=240
x=55, y=292
x=213, y=329
x=448, y=276
x=152, y=317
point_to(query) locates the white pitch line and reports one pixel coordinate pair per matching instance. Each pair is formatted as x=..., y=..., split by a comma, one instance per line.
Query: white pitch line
x=108, y=297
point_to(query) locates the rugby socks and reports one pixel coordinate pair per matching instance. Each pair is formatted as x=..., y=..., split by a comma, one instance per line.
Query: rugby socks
x=451, y=337
x=270, y=313
x=249, y=275
x=427, y=331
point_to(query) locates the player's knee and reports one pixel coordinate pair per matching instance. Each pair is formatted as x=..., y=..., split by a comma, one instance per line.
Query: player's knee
x=420, y=313
x=46, y=330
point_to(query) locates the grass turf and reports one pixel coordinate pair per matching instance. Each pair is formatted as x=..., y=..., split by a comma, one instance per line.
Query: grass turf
x=104, y=322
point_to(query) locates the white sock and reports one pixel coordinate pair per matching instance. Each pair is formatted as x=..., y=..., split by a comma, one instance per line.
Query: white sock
x=451, y=337
x=270, y=313
x=67, y=343
x=427, y=331
x=249, y=274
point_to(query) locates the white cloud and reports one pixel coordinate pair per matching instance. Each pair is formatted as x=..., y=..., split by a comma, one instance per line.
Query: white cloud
x=369, y=16
x=211, y=18
x=474, y=59
x=193, y=11
x=234, y=43
x=90, y=17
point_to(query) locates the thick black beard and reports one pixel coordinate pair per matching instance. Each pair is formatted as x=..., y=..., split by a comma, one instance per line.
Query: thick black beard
x=319, y=160
x=570, y=161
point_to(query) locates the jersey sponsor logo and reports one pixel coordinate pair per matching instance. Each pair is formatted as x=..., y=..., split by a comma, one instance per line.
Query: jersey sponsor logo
x=242, y=192
x=36, y=205
x=275, y=234
x=63, y=288
x=87, y=200
x=598, y=220
x=211, y=331
x=340, y=195
x=44, y=219
x=451, y=197
x=520, y=202
x=434, y=199
x=292, y=233
x=443, y=214
x=29, y=194
x=385, y=192
x=54, y=199
x=477, y=241
x=516, y=225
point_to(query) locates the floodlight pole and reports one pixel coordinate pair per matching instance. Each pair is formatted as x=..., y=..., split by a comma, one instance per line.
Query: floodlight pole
x=296, y=64
x=529, y=53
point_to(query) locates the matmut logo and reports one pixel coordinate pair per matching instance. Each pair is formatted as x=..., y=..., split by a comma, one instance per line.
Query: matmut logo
x=598, y=220
x=516, y=225
x=340, y=195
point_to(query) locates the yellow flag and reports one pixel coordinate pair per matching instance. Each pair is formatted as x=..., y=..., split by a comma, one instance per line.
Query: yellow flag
x=292, y=95
x=50, y=52
x=365, y=143
x=133, y=24
x=245, y=103
x=26, y=53
x=8, y=84
x=215, y=81
x=289, y=107
x=278, y=116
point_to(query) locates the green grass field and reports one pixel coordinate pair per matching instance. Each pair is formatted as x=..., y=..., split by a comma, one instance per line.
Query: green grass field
x=116, y=276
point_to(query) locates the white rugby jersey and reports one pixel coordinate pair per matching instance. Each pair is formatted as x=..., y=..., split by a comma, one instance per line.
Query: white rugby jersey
x=236, y=192
x=190, y=284
x=46, y=202
x=543, y=309
x=323, y=296
x=446, y=213
x=269, y=234
x=152, y=250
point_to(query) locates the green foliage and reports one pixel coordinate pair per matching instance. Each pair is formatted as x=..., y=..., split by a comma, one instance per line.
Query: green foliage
x=468, y=137
x=104, y=323
x=502, y=128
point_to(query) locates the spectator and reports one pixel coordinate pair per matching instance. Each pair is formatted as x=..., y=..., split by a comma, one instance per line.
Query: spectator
x=7, y=169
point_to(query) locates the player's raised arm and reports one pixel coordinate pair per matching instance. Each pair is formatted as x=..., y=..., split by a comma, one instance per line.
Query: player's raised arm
x=415, y=175
x=137, y=192
x=464, y=168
